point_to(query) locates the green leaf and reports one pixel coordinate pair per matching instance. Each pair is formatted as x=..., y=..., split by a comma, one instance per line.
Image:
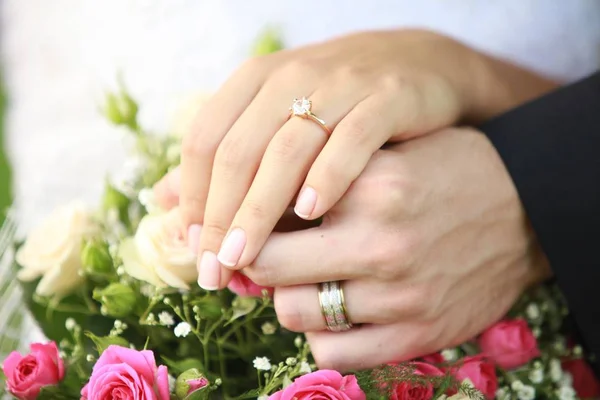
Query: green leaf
x=242, y=306
x=177, y=367
x=268, y=42
x=102, y=342
x=54, y=393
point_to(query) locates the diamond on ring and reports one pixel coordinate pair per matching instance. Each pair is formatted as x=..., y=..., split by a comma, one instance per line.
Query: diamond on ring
x=301, y=107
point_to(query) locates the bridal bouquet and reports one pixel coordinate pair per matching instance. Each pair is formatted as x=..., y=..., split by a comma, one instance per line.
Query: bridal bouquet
x=113, y=291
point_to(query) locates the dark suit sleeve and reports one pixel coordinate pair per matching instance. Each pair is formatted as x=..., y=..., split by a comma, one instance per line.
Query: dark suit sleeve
x=551, y=148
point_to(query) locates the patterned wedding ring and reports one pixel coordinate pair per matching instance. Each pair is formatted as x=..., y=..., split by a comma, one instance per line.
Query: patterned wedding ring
x=333, y=307
x=302, y=108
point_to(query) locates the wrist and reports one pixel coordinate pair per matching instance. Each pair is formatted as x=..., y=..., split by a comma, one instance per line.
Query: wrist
x=493, y=86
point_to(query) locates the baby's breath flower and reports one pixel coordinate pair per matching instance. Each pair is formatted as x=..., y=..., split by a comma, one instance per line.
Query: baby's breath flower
x=449, y=354
x=147, y=290
x=120, y=270
x=70, y=324
x=502, y=393
x=566, y=393
x=262, y=364
x=555, y=370
x=263, y=397
x=166, y=319
x=536, y=332
x=218, y=381
x=151, y=318
x=536, y=375
x=526, y=393
x=577, y=351
x=298, y=341
x=268, y=328
x=167, y=301
x=90, y=358
x=517, y=385
x=182, y=329
x=532, y=311
x=305, y=368
x=566, y=379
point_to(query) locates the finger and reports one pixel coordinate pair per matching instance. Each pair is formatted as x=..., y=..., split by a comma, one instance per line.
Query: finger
x=368, y=346
x=209, y=128
x=360, y=134
x=166, y=191
x=311, y=256
x=366, y=302
x=284, y=166
x=236, y=162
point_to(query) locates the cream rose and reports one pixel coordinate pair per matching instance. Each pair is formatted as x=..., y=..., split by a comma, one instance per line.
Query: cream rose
x=53, y=250
x=158, y=254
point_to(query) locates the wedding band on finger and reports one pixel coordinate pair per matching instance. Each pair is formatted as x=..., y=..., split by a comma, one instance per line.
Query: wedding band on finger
x=302, y=108
x=333, y=306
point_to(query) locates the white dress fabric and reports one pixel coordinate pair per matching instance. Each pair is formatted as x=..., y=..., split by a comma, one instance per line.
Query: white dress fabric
x=60, y=56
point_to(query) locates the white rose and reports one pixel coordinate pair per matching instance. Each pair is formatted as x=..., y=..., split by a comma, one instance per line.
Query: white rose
x=158, y=254
x=53, y=250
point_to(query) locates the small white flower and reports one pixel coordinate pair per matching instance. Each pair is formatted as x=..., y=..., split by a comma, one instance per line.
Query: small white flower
x=556, y=372
x=263, y=397
x=90, y=358
x=262, y=364
x=577, y=351
x=70, y=324
x=166, y=319
x=536, y=332
x=566, y=393
x=502, y=394
x=566, y=380
x=120, y=270
x=517, y=385
x=147, y=290
x=526, y=393
x=268, y=328
x=182, y=329
x=536, y=376
x=559, y=345
x=449, y=354
x=298, y=341
x=305, y=368
x=532, y=311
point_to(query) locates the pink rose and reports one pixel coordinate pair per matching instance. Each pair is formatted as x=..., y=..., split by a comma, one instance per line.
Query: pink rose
x=26, y=375
x=408, y=391
x=481, y=373
x=241, y=285
x=122, y=373
x=584, y=381
x=323, y=384
x=434, y=358
x=510, y=344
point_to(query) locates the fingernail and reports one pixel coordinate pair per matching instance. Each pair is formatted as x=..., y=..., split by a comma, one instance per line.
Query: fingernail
x=306, y=202
x=209, y=271
x=194, y=237
x=232, y=247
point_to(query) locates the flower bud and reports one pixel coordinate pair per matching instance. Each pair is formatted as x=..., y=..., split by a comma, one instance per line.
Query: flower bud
x=96, y=259
x=117, y=299
x=193, y=382
x=114, y=199
x=121, y=109
x=269, y=42
x=209, y=307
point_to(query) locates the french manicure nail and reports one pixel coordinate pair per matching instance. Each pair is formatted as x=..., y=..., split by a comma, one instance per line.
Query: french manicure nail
x=306, y=202
x=232, y=247
x=194, y=237
x=209, y=274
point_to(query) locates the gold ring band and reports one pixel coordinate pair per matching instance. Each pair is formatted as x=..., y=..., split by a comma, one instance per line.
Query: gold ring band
x=333, y=306
x=302, y=108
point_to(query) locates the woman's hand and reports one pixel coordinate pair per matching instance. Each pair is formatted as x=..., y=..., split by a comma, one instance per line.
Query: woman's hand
x=244, y=162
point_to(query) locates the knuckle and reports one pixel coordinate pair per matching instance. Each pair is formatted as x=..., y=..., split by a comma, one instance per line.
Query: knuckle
x=213, y=232
x=229, y=156
x=252, y=65
x=356, y=130
x=288, y=314
x=297, y=67
x=348, y=73
x=394, y=83
x=286, y=147
x=261, y=274
x=196, y=144
x=254, y=210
